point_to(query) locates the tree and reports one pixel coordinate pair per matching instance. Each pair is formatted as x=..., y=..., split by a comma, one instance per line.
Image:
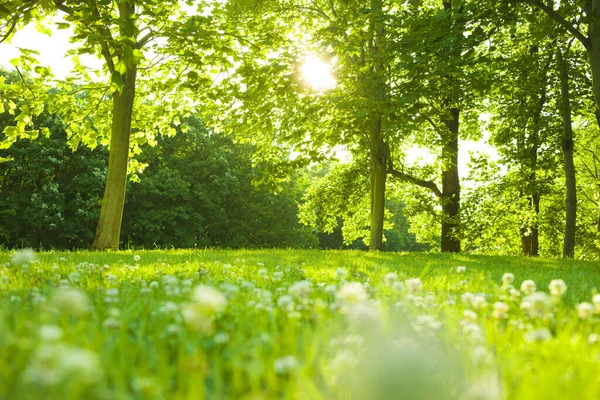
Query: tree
x=118, y=32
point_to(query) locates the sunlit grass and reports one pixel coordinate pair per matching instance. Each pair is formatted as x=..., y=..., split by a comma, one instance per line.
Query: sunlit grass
x=295, y=325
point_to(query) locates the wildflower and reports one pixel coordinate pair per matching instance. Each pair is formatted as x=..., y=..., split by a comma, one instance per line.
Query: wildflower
x=352, y=292
x=277, y=276
x=413, y=285
x=536, y=304
x=426, y=323
x=596, y=303
x=53, y=364
x=208, y=300
x=469, y=317
x=300, y=289
x=71, y=301
x=478, y=302
x=500, y=310
x=508, y=278
x=528, y=287
x=23, y=257
x=557, y=287
x=362, y=315
x=340, y=274
x=390, y=278
x=286, y=302
x=585, y=310
x=593, y=338
x=136, y=258
x=461, y=269
x=286, y=365
x=466, y=297
x=538, y=335
x=50, y=333
x=481, y=356
x=111, y=323
x=153, y=285
x=398, y=286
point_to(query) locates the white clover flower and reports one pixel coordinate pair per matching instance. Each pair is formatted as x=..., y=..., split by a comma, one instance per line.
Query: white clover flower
x=466, y=298
x=585, y=310
x=71, y=301
x=169, y=308
x=23, y=257
x=50, y=333
x=398, y=286
x=426, y=323
x=461, y=269
x=352, y=292
x=413, y=285
x=528, y=287
x=331, y=289
x=221, y=338
x=593, y=338
x=286, y=302
x=341, y=274
x=53, y=364
x=481, y=356
x=469, y=317
x=262, y=273
x=596, y=303
x=153, y=285
x=508, y=278
x=136, y=258
x=277, y=276
x=390, y=279
x=536, y=304
x=500, y=310
x=208, y=300
x=286, y=365
x=197, y=320
x=300, y=289
x=539, y=335
x=362, y=315
x=557, y=287
x=514, y=294
x=74, y=277
x=111, y=323
x=478, y=302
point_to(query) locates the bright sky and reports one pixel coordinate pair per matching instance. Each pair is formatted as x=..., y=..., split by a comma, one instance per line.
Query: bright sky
x=52, y=50
x=315, y=71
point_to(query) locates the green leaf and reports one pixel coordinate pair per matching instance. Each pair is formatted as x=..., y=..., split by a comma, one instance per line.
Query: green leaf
x=116, y=82
x=62, y=25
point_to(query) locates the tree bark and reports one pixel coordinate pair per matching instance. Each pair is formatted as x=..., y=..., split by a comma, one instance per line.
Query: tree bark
x=567, y=148
x=378, y=161
x=450, y=242
x=378, y=149
x=108, y=231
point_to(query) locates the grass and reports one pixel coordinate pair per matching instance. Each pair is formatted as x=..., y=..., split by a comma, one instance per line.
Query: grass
x=290, y=324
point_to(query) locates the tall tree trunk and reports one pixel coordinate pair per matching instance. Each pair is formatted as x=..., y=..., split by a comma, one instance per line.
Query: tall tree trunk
x=593, y=50
x=378, y=161
x=567, y=148
x=530, y=242
x=378, y=149
x=108, y=231
x=450, y=241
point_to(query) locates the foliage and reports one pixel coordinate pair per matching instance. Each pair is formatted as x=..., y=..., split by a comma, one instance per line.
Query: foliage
x=197, y=191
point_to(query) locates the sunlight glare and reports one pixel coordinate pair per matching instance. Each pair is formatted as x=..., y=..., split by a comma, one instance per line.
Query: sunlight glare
x=317, y=73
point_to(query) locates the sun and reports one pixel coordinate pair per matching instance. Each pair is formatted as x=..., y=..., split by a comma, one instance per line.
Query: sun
x=317, y=73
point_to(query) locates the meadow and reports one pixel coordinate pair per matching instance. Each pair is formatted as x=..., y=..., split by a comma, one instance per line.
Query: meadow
x=275, y=324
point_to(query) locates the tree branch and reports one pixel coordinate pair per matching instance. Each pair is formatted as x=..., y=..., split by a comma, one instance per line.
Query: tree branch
x=585, y=41
x=411, y=179
x=419, y=182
